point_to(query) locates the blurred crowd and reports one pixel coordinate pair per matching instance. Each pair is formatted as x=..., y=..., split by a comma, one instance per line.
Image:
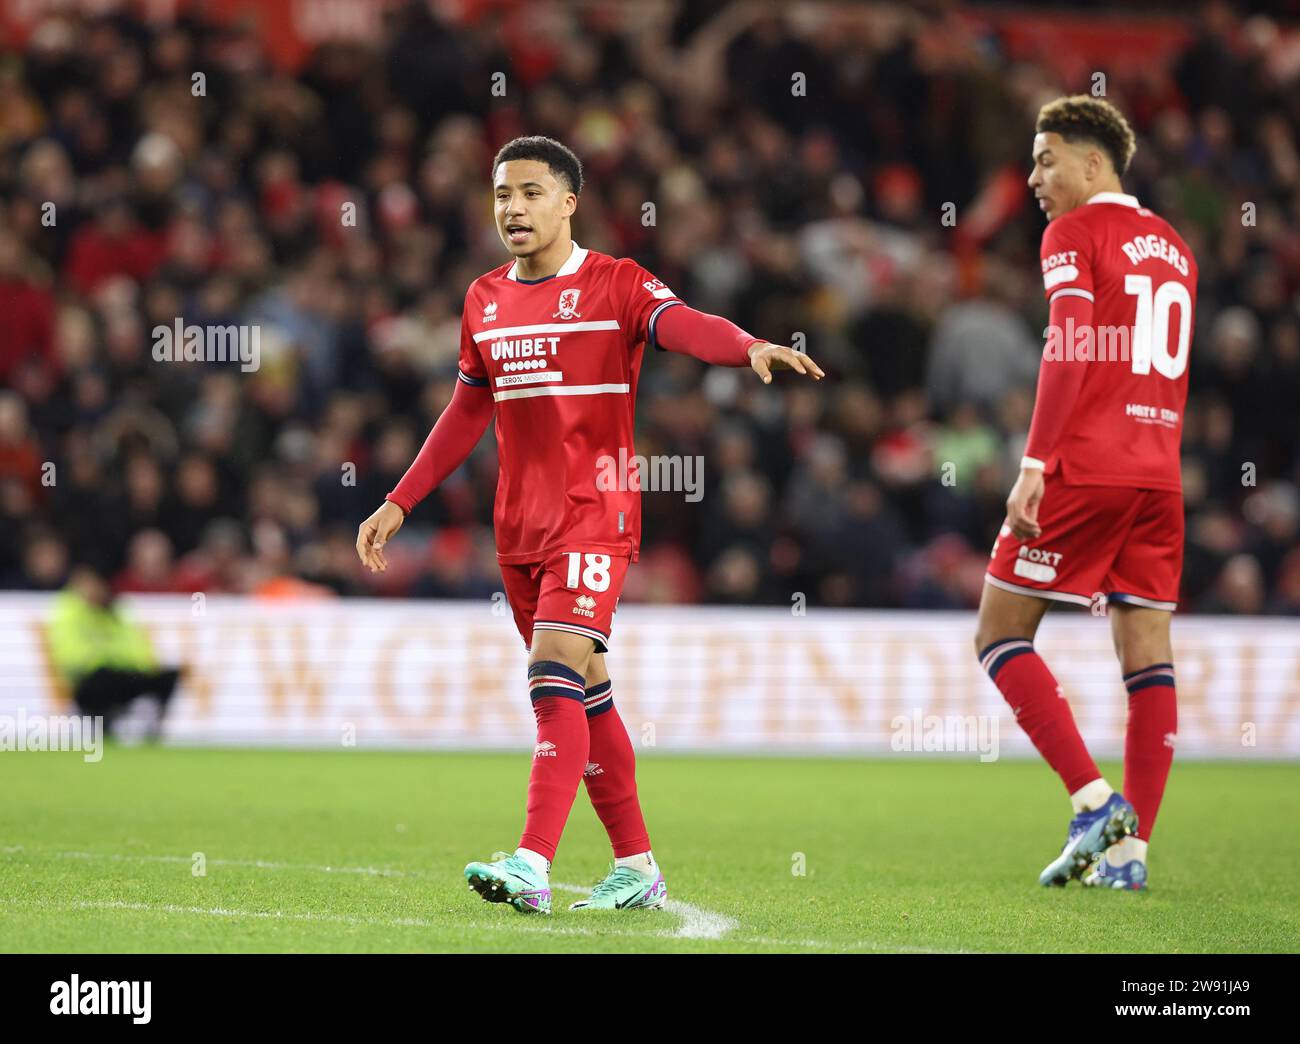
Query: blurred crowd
x=879, y=214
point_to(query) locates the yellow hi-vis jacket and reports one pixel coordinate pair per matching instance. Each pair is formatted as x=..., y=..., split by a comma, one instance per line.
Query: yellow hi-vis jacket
x=83, y=637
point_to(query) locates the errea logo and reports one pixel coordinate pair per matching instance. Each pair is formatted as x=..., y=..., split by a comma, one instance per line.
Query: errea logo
x=545, y=749
x=584, y=606
x=490, y=312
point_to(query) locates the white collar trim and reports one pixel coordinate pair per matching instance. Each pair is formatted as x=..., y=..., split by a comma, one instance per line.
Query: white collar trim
x=576, y=257
x=1122, y=198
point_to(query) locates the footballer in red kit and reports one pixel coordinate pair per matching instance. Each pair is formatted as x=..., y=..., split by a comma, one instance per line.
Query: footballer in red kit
x=561, y=356
x=551, y=347
x=1096, y=515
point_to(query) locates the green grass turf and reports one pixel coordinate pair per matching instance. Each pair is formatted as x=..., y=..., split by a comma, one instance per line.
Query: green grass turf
x=900, y=854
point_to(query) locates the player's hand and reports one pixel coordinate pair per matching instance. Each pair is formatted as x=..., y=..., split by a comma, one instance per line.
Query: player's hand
x=375, y=532
x=764, y=357
x=1022, y=504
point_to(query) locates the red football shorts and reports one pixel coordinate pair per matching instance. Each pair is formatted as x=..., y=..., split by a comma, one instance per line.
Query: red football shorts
x=571, y=591
x=1126, y=544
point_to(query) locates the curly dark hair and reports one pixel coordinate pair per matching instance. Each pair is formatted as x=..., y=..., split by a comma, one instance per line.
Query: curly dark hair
x=559, y=158
x=1081, y=117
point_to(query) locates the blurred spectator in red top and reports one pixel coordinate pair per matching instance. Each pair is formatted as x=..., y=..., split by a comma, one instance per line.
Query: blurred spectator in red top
x=214, y=565
x=114, y=244
x=27, y=329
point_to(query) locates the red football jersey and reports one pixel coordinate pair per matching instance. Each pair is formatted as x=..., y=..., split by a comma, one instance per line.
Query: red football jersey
x=1127, y=423
x=561, y=356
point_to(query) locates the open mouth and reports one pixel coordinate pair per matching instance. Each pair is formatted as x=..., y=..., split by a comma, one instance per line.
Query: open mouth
x=518, y=233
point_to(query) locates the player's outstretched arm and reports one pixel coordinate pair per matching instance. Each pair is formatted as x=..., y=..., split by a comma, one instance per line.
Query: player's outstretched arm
x=450, y=442
x=719, y=341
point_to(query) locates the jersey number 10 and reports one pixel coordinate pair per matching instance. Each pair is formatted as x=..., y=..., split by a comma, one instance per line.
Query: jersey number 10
x=1151, y=326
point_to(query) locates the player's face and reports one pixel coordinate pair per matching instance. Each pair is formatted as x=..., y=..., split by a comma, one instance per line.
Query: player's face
x=1059, y=179
x=532, y=205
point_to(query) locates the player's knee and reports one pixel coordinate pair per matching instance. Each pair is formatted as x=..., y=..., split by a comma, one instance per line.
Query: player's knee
x=989, y=625
x=993, y=631
x=1141, y=655
x=1141, y=637
x=985, y=640
x=572, y=650
x=987, y=631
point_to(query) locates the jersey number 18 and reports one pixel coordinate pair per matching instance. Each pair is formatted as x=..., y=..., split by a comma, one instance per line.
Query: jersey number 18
x=594, y=578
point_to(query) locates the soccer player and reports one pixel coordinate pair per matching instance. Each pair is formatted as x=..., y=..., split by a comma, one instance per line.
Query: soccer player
x=553, y=343
x=1097, y=509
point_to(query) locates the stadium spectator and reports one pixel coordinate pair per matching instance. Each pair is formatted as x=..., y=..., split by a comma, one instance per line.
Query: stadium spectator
x=339, y=207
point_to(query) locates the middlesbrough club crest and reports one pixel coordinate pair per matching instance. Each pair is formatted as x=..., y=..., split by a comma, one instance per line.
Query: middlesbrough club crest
x=568, y=305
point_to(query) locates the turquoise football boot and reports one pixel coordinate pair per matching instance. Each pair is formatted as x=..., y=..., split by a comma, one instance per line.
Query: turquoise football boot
x=511, y=880
x=626, y=889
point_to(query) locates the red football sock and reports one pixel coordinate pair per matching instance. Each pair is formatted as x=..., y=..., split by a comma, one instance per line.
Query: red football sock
x=1035, y=699
x=611, y=774
x=1149, y=741
x=557, y=692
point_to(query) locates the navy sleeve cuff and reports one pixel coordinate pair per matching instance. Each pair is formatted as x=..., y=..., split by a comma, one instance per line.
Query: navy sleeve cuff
x=654, y=318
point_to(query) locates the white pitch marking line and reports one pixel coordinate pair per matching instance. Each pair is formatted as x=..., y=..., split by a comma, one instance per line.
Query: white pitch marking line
x=700, y=924
x=696, y=923
x=255, y=864
x=514, y=926
x=282, y=915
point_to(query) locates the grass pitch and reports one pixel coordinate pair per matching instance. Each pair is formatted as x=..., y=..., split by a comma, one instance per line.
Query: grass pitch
x=363, y=851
